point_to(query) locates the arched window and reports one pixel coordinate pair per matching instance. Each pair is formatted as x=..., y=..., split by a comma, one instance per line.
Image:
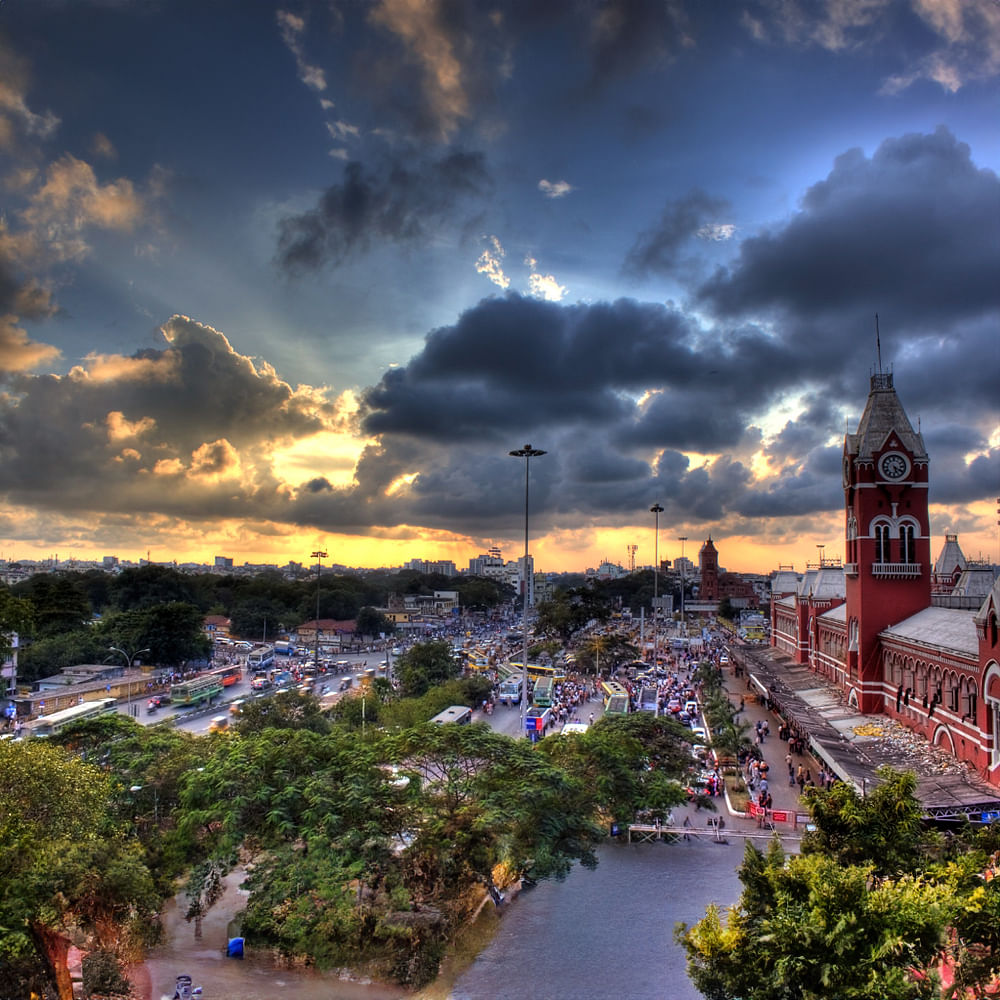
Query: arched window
x=993, y=629
x=882, y=543
x=908, y=543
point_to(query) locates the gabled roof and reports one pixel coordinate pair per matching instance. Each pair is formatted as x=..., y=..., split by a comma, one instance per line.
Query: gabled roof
x=975, y=581
x=884, y=415
x=992, y=602
x=785, y=581
x=807, y=582
x=947, y=629
x=837, y=614
x=951, y=557
x=829, y=583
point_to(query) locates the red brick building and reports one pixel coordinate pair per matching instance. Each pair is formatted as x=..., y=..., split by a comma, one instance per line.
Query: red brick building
x=930, y=662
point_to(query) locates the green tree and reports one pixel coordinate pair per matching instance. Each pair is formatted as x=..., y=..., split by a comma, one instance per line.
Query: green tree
x=146, y=586
x=257, y=618
x=425, y=665
x=284, y=710
x=171, y=632
x=64, y=863
x=808, y=928
x=883, y=827
x=372, y=622
x=486, y=799
x=60, y=603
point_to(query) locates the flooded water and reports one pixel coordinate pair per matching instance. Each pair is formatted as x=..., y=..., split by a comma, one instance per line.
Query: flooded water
x=606, y=933
x=251, y=978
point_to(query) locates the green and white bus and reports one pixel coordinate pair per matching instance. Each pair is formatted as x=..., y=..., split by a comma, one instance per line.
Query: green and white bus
x=187, y=694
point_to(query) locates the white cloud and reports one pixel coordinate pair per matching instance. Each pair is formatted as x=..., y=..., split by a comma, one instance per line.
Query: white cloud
x=543, y=286
x=339, y=153
x=292, y=28
x=554, y=189
x=341, y=131
x=490, y=262
x=718, y=232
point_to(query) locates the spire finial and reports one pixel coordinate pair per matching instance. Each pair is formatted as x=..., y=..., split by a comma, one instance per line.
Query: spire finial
x=878, y=346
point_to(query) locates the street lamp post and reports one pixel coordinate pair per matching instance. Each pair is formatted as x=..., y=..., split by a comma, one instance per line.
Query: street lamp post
x=129, y=661
x=656, y=510
x=319, y=557
x=682, y=540
x=527, y=453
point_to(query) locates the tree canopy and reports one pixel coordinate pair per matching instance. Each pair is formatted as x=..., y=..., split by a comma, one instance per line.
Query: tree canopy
x=876, y=907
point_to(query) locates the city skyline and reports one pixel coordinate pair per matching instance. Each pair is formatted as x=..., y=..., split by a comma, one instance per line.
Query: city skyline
x=277, y=278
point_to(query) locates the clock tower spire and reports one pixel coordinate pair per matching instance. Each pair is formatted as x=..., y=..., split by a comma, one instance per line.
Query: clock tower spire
x=887, y=564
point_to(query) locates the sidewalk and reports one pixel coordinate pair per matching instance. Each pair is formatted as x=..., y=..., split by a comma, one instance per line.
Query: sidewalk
x=785, y=798
x=840, y=739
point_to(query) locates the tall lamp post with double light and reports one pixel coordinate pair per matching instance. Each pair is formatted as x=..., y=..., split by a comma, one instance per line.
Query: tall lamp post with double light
x=656, y=510
x=527, y=453
x=682, y=540
x=319, y=557
x=129, y=661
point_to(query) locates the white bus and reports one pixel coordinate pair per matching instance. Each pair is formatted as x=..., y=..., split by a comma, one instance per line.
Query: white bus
x=459, y=714
x=261, y=658
x=50, y=725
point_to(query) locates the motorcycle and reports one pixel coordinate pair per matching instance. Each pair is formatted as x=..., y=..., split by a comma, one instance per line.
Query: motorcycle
x=184, y=990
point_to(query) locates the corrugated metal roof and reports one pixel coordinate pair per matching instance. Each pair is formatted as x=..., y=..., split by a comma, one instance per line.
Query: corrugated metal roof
x=945, y=628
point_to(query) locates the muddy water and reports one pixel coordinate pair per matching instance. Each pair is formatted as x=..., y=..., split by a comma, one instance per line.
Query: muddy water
x=255, y=977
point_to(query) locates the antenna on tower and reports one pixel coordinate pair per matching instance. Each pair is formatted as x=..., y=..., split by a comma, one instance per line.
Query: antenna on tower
x=878, y=346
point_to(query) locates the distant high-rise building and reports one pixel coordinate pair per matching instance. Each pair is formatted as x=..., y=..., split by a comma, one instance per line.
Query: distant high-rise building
x=223, y=562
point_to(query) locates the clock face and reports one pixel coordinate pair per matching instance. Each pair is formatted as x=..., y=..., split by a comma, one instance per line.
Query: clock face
x=894, y=466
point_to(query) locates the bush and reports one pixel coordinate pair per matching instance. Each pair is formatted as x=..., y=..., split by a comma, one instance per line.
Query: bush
x=102, y=976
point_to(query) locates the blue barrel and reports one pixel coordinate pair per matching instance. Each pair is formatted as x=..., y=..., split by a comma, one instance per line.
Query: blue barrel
x=235, y=948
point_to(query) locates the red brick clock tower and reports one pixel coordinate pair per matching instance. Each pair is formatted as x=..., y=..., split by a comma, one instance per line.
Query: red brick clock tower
x=708, y=558
x=887, y=561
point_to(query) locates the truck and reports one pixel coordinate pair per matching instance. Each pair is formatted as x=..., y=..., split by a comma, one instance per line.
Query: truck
x=536, y=721
x=511, y=691
x=284, y=648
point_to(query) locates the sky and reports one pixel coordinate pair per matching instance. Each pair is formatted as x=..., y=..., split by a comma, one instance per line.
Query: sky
x=286, y=277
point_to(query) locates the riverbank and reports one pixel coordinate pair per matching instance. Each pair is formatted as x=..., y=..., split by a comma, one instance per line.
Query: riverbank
x=255, y=977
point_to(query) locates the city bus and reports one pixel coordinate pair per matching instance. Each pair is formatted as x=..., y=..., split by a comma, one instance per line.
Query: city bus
x=459, y=714
x=544, y=692
x=230, y=675
x=187, y=694
x=50, y=725
x=261, y=658
x=616, y=700
x=536, y=670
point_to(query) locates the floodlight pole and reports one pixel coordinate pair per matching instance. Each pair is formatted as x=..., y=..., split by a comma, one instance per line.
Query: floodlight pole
x=527, y=453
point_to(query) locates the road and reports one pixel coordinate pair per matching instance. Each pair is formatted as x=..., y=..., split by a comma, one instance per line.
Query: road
x=504, y=719
x=197, y=720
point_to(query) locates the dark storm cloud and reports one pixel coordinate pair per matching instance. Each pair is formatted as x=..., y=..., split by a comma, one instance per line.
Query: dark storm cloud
x=399, y=202
x=515, y=362
x=435, y=67
x=154, y=432
x=910, y=233
x=656, y=251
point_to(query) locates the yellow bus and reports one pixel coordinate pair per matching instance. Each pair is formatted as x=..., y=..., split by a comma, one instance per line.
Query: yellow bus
x=536, y=670
x=616, y=701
